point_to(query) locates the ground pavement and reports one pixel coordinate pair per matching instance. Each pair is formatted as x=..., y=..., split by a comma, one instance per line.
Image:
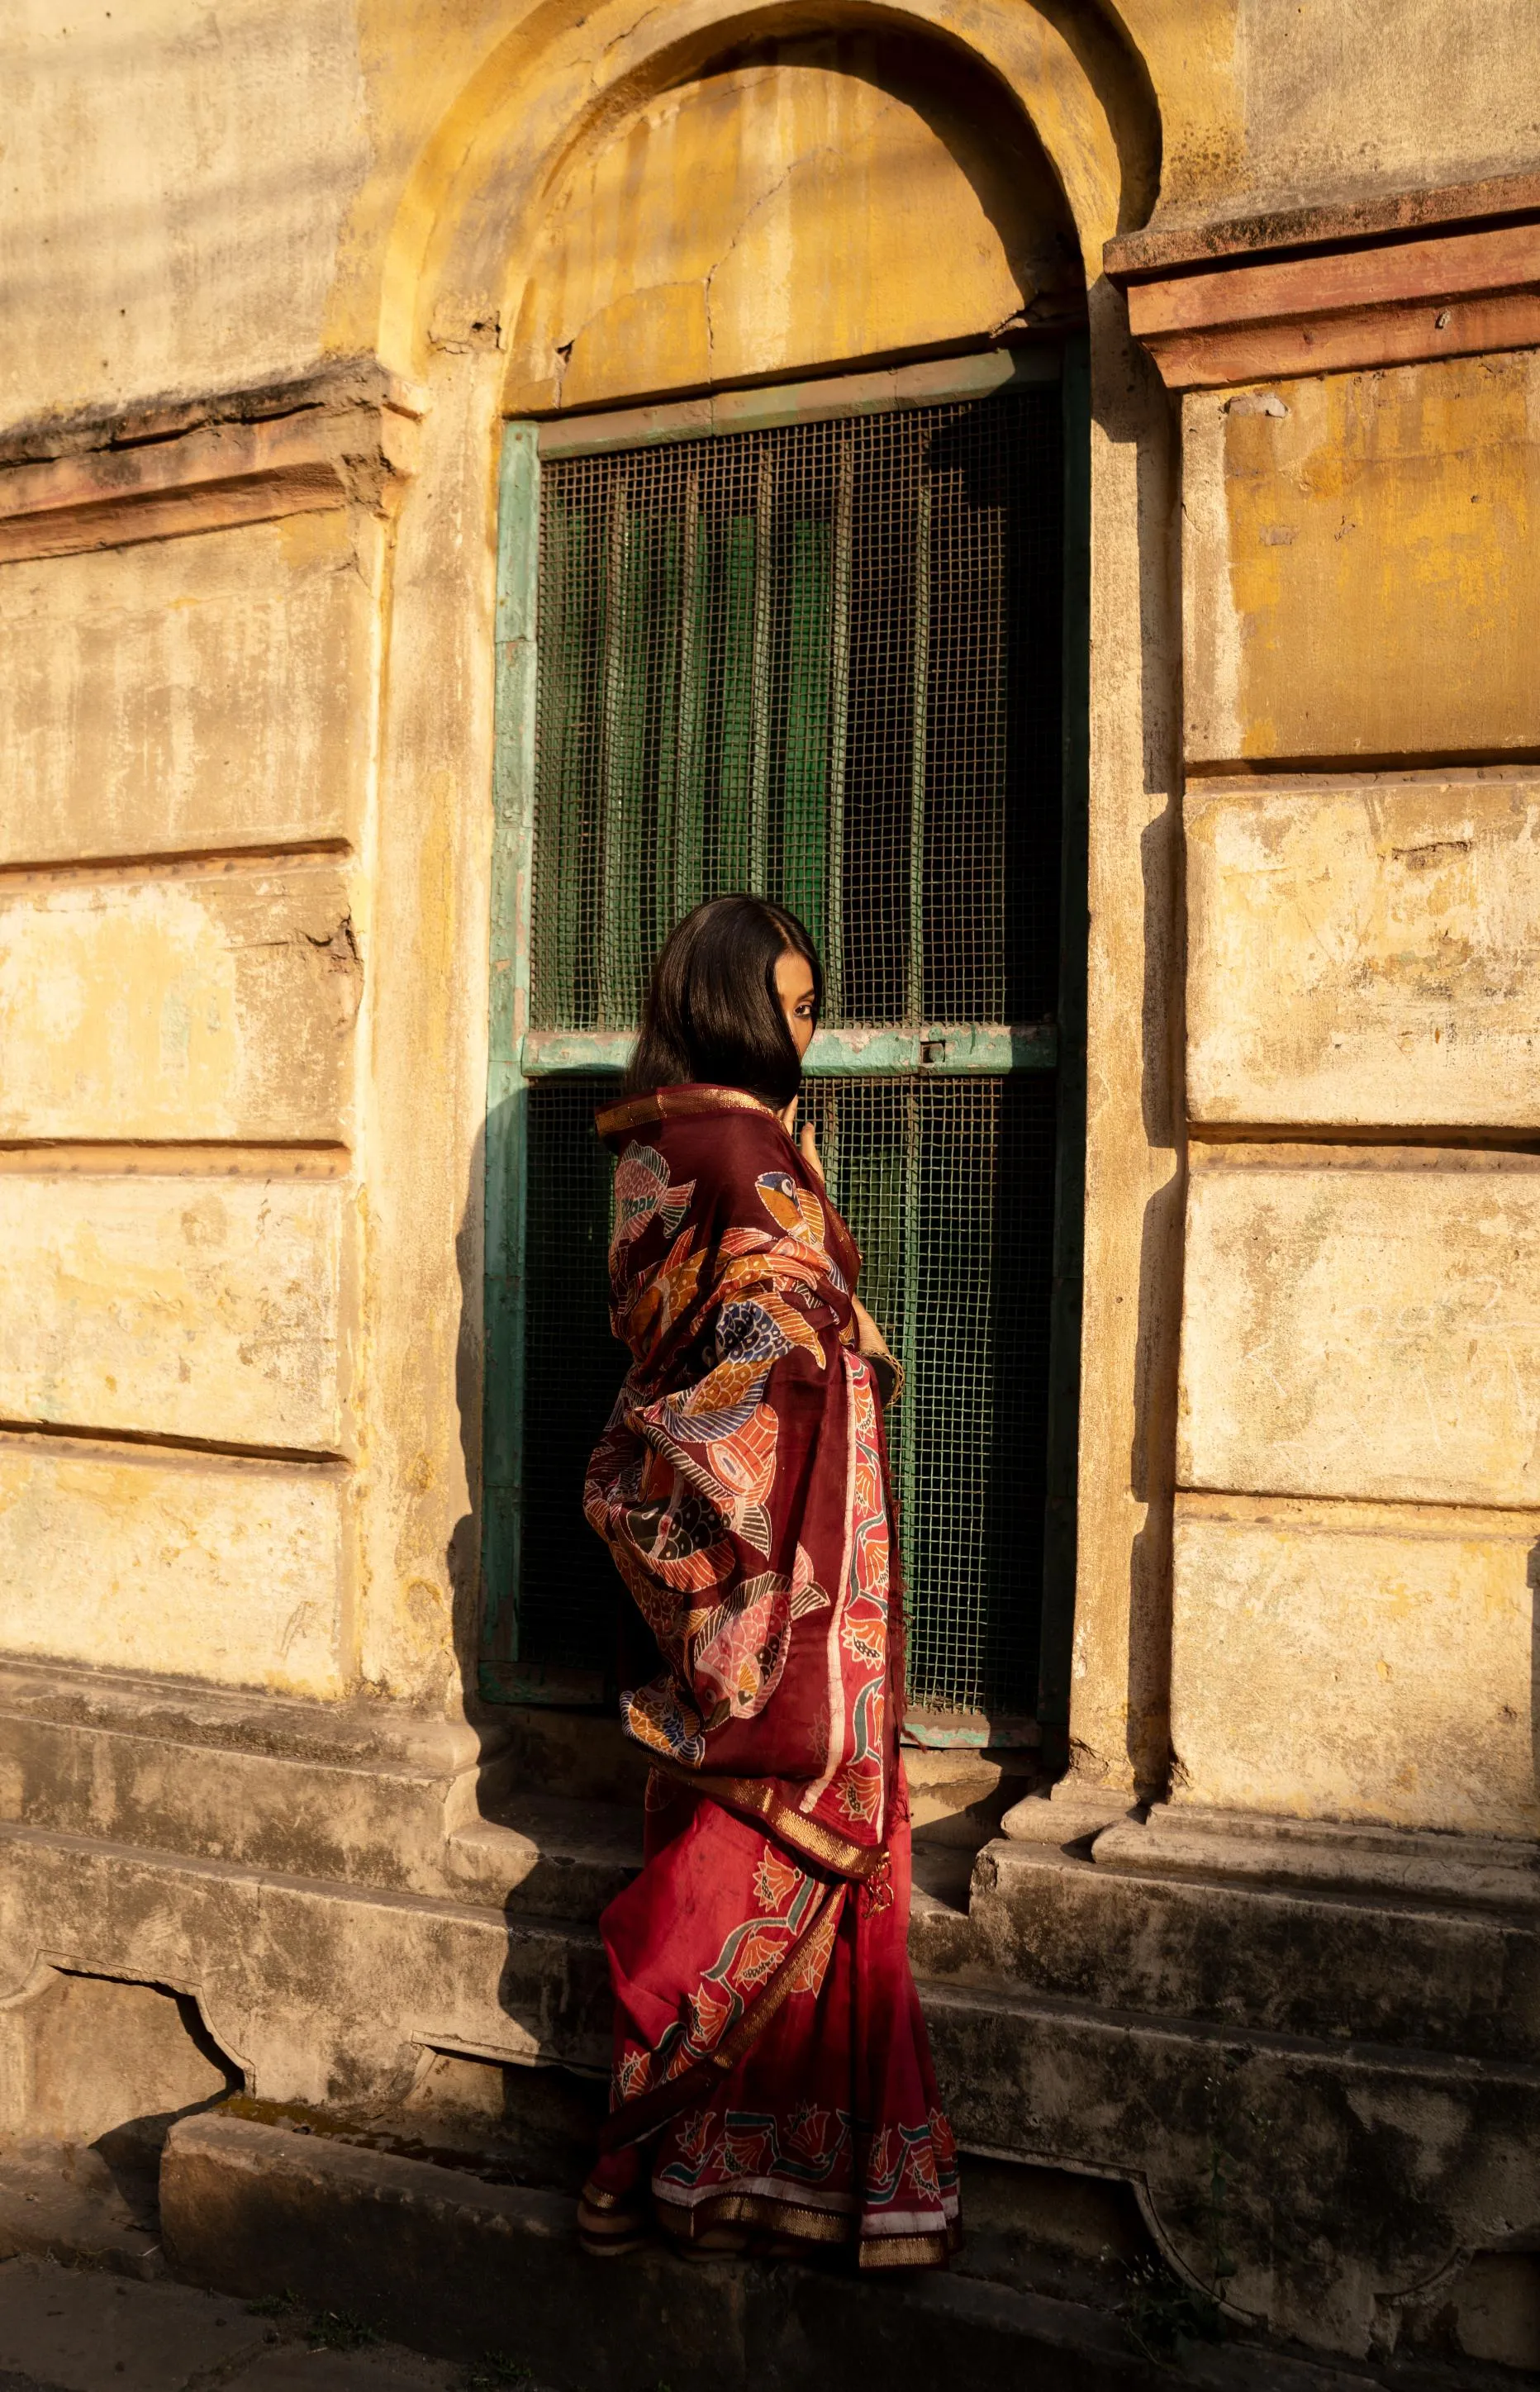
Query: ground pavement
x=75, y=2330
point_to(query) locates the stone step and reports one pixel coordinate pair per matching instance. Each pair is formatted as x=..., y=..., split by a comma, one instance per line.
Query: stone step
x=358, y=1791
x=269, y=1957
x=545, y=1856
x=510, y=1965
x=1379, y=1969
x=62, y=2202
x=537, y=1812
x=462, y=2267
x=341, y=1996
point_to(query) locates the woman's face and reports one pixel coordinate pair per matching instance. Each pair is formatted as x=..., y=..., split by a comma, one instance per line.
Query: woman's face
x=794, y=986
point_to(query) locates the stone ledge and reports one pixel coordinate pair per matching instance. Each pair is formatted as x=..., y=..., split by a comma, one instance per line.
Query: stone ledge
x=350, y=1734
x=317, y=1992
x=1350, y=2176
x=1452, y=273
x=352, y=1790
x=1246, y=1954
x=1323, y=1856
x=332, y=447
x=462, y=2267
x=1069, y=1815
x=1165, y=247
x=358, y=381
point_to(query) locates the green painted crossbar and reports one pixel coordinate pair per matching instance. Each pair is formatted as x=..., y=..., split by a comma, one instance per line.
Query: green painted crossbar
x=978, y=1048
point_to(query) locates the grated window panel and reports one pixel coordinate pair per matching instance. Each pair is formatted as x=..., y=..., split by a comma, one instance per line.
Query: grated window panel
x=936, y=1180
x=822, y=662
x=568, y=1605
x=941, y=1182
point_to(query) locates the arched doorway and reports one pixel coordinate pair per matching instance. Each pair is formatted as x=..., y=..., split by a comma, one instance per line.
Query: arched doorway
x=767, y=623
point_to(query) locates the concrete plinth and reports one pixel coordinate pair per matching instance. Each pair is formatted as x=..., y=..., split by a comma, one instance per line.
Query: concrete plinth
x=1305, y=2061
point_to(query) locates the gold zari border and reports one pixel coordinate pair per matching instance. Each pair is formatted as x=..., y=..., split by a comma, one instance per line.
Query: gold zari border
x=793, y=1826
x=686, y=2224
x=908, y=2250
x=677, y=1104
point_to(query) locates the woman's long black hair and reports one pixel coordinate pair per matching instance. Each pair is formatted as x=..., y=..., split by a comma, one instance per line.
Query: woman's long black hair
x=712, y=1012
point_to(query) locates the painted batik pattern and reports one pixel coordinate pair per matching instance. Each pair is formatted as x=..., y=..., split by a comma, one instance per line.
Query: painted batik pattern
x=853, y=1797
x=751, y=1954
x=899, y=2181
x=772, y=2067
x=730, y=1280
x=826, y=2122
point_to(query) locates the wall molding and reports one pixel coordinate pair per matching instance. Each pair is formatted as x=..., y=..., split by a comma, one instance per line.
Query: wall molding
x=179, y=471
x=1397, y=283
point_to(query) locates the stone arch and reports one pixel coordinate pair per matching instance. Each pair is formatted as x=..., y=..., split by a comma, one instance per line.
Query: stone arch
x=464, y=239
x=807, y=201
x=1054, y=84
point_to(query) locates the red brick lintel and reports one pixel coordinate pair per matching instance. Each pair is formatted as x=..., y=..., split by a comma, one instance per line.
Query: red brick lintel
x=1430, y=274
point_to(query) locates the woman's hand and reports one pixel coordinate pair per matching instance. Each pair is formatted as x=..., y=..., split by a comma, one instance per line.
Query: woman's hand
x=888, y=1370
x=807, y=1145
x=869, y=1337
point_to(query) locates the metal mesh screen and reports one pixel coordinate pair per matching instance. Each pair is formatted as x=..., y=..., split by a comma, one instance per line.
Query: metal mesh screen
x=820, y=662
x=567, y=1600
x=937, y=1180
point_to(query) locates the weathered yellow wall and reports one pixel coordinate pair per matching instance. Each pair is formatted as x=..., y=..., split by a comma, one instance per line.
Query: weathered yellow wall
x=1400, y=93
x=123, y=1557
x=180, y=1013
x=189, y=694
x=211, y=1004
x=1359, y=1353
x=193, y=208
x=1357, y=1662
x=1365, y=953
x=176, y=190
x=292, y=721
x=1364, y=1322
x=838, y=204
x=187, y=1305
x=1361, y=567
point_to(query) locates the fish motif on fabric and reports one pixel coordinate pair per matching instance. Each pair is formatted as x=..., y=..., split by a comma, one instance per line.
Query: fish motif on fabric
x=740, y=1484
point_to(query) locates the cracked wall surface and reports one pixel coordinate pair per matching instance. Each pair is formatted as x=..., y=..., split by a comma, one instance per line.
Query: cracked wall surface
x=820, y=202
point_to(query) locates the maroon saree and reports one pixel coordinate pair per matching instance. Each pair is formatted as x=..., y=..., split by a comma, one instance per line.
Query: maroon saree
x=771, y=2068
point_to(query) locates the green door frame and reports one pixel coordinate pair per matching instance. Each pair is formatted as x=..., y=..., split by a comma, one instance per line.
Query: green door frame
x=519, y=1056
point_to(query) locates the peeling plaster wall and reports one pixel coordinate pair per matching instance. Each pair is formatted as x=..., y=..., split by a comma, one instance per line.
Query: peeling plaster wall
x=1357, y=95
x=1360, y=1301
x=175, y=181
x=244, y=822
x=845, y=203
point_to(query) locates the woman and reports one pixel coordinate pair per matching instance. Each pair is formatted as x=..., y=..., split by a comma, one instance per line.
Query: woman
x=772, y=2084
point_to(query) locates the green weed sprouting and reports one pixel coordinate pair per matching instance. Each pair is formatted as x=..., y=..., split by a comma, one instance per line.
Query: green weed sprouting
x=336, y=2330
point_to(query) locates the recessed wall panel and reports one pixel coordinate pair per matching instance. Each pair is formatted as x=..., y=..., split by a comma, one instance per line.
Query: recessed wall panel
x=1365, y=954
x=201, y=1307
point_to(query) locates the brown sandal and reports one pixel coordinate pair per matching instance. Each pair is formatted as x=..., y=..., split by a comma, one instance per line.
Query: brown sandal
x=609, y=2230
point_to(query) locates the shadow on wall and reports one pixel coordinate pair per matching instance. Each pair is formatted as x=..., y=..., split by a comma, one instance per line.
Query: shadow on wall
x=105, y=2068
x=573, y=1625
x=1532, y=1578
x=1142, y=413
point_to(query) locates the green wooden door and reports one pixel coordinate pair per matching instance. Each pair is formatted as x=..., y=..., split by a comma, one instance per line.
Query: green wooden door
x=824, y=660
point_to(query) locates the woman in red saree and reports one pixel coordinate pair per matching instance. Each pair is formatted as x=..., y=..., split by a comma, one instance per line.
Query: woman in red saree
x=772, y=2084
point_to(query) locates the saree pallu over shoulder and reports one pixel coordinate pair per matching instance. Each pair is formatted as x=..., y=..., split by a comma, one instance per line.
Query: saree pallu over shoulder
x=741, y=1483
x=772, y=2067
